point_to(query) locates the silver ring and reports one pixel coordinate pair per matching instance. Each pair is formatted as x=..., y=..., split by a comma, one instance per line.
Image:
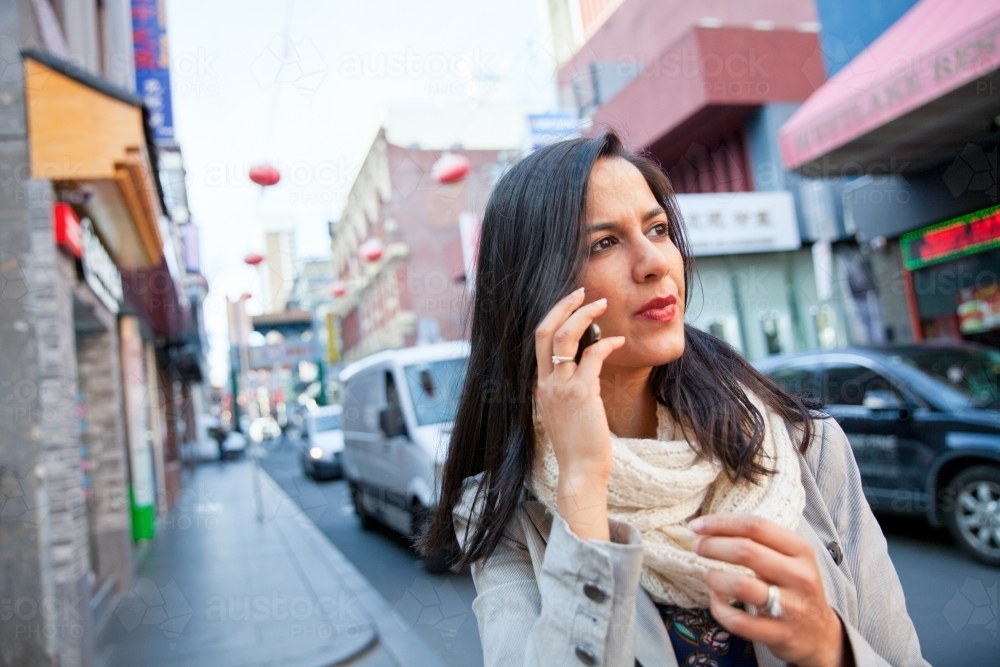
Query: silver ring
x=556, y=360
x=773, y=606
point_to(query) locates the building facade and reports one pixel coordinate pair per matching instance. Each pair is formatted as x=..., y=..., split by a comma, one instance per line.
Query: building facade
x=404, y=243
x=912, y=118
x=704, y=89
x=93, y=311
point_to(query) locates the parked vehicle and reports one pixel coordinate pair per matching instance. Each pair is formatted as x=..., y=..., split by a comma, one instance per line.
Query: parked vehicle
x=398, y=410
x=264, y=428
x=234, y=445
x=923, y=423
x=322, y=443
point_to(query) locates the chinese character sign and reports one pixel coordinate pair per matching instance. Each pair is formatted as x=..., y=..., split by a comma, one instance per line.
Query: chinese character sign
x=152, y=65
x=740, y=222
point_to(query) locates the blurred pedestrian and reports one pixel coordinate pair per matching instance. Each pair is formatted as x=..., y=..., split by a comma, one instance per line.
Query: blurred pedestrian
x=661, y=496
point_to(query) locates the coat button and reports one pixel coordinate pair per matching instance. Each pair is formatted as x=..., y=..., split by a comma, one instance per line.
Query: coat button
x=594, y=592
x=835, y=552
x=586, y=656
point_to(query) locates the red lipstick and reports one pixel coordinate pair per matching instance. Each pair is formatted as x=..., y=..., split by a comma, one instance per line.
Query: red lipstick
x=660, y=309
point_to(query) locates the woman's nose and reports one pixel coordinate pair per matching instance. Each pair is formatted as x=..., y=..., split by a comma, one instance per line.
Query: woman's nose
x=649, y=262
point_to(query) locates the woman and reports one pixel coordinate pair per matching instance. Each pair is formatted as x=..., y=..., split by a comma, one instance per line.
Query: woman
x=644, y=504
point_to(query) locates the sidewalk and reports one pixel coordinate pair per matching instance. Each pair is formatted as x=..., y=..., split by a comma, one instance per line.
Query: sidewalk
x=218, y=588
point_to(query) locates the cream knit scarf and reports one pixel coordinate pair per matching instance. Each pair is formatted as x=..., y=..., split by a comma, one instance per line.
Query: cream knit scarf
x=657, y=486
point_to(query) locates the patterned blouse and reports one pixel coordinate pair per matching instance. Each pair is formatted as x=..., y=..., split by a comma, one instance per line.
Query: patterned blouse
x=699, y=641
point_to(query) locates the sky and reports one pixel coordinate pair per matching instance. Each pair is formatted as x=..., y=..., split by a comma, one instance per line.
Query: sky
x=305, y=85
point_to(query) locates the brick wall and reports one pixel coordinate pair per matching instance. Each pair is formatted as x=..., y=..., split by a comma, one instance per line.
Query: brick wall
x=62, y=540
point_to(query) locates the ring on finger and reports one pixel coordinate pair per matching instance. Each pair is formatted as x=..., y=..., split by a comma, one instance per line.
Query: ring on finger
x=772, y=607
x=556, y=359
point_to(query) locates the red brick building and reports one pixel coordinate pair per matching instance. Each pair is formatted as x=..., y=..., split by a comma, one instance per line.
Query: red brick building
x=398, y=247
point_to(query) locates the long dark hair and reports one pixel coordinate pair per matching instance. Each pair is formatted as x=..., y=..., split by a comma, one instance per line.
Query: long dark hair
x=532, y=252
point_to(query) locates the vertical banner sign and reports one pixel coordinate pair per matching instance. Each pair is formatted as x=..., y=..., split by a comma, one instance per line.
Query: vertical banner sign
x=152, y=65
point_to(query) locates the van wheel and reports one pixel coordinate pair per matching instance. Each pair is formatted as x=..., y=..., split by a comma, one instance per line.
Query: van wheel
x=974, y=516
x=367, y=520
x=439, y=563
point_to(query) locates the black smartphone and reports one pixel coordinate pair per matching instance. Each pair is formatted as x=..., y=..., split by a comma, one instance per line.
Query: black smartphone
x=590, y=336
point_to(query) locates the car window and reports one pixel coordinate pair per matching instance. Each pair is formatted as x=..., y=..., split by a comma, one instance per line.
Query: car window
x=974, y=373
x=799, y=380
x=848, y=384
x=326, y=422
x=435, y=388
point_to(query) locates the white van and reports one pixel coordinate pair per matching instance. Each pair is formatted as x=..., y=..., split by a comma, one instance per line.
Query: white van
x=398, y=411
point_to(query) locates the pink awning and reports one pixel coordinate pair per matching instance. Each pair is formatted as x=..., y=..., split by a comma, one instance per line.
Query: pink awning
x=935, y=48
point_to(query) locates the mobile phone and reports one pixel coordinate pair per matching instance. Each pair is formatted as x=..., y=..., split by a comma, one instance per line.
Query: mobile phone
x=590, y=336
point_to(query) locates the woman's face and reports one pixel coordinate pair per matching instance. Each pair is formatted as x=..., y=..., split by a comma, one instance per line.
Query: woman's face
x=635, y=265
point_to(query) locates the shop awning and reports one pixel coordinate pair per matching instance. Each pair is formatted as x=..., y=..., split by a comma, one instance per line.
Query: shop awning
x=705, y=84
x=88, y=135
x=926, y=87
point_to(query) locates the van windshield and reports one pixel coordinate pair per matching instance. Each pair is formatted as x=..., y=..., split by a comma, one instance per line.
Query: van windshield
x=327, y=422
x=435, y=388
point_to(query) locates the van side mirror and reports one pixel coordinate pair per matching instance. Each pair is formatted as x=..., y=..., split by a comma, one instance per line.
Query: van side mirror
x=390, y=420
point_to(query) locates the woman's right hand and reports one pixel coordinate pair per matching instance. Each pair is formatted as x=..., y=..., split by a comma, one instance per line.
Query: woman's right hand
x=568, y=400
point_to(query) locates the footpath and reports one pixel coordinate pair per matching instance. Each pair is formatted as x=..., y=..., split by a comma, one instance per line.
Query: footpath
x=218, y=588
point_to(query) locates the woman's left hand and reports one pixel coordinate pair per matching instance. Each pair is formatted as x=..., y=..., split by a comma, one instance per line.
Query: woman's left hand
x=809, y=632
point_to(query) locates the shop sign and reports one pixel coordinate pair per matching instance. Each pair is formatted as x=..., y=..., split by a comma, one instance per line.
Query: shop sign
x=740, y=222
x=69, y=232
x=548, y=128
x=152, y=65
x=979, y=308
x=965, y=235
x=99, y=270
x=284, y=354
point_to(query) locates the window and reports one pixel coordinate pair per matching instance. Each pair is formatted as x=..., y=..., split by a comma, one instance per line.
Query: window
x=435, y=388
x=848, y=384
x=327, y=422
x=799, y=380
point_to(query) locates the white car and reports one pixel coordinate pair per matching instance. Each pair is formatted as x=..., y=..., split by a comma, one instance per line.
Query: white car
x=322, y=443
x=399, y=406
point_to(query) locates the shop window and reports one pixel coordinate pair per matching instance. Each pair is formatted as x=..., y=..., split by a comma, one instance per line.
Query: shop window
x=825, y=323
x=769, y=324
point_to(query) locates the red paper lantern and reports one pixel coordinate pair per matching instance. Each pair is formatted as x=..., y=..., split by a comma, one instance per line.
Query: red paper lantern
x=450, y=168
x=253, y=259
x=338, y=288
x=371, y=250
x=264, y=175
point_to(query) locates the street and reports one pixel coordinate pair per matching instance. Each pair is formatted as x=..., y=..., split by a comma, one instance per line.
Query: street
x=438, y=607
x=951, y=599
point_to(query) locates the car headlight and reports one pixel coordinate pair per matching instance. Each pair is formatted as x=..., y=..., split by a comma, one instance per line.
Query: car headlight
x=316, y=453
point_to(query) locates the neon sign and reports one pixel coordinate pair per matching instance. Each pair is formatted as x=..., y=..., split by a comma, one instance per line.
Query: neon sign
x=962, y=236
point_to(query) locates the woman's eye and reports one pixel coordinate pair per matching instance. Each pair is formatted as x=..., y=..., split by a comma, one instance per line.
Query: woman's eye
x=603, y=244
x=659, y=229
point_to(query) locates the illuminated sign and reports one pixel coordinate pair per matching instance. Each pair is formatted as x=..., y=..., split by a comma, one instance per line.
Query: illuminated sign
x=955, y=238
x=68, y=230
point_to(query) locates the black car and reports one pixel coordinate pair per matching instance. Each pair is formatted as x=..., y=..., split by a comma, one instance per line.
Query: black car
x=924, y=426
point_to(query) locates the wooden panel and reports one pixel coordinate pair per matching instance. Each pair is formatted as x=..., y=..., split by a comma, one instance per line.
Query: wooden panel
x=76, y=132
x=136, y=187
